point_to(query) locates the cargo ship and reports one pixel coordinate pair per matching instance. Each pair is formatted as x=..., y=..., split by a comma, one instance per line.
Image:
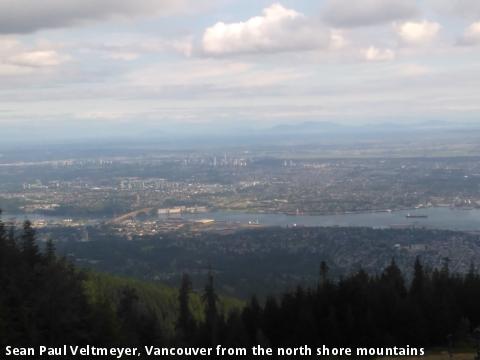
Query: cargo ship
x=413, y=216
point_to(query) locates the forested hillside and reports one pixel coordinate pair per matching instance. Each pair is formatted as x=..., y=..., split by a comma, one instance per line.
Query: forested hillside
x=45, y=300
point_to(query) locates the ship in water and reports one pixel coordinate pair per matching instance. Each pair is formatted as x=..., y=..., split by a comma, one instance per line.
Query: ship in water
x=415, y=216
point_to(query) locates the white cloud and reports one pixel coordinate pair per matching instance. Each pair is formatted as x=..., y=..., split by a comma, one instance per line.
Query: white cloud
x=18, y=59
x=471, y=35
x=8, y=44
x=38, y=58
x=348, y=13
x=188, y=72
x=13, y=70
x=277, y=29
x=183, y=46
x=129, y=47
x=337, y=40
x=414, y=70
x=376, y=54
x=24, y=16
x=217, y=76
x=123, y=56
x=417, y=33
x=103, y=115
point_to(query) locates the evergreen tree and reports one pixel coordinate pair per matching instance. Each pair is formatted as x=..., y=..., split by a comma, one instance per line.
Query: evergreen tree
x=50, y=251
x=127, y=314
x=324, y=269
x=2, y=229
x=418, y=283
x=272, y=322
x=392, y=276
x=3, y=246
x=185, y=323
x=11, y=239
x=210, y=300
x=29, y=245
x=252, y=319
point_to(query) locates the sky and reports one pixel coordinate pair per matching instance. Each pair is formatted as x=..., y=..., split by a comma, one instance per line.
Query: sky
x=89, y=66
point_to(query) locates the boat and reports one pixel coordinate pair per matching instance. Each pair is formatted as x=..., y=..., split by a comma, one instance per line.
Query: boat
x=413, y=216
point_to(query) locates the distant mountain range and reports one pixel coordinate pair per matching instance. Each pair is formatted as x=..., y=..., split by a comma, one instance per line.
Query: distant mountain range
x=211, y=134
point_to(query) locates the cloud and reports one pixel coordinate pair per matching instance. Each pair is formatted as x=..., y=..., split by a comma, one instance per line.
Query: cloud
x=13, y=70
x=25, y=16
x=347, y=13
x=38, y=58
x=277, y=29
x=471, y=35
x=103, y=115
x=376, y=54
x=337, y=40
x=130, y=47
x=223, y=76
x=414, y=70
x=18, y=59
x=417, y=33
x=123, y=56
x=186, y=73
x=183, y=46
x=469, y=9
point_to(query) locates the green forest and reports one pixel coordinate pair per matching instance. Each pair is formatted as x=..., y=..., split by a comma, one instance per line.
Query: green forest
x=45, y=300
